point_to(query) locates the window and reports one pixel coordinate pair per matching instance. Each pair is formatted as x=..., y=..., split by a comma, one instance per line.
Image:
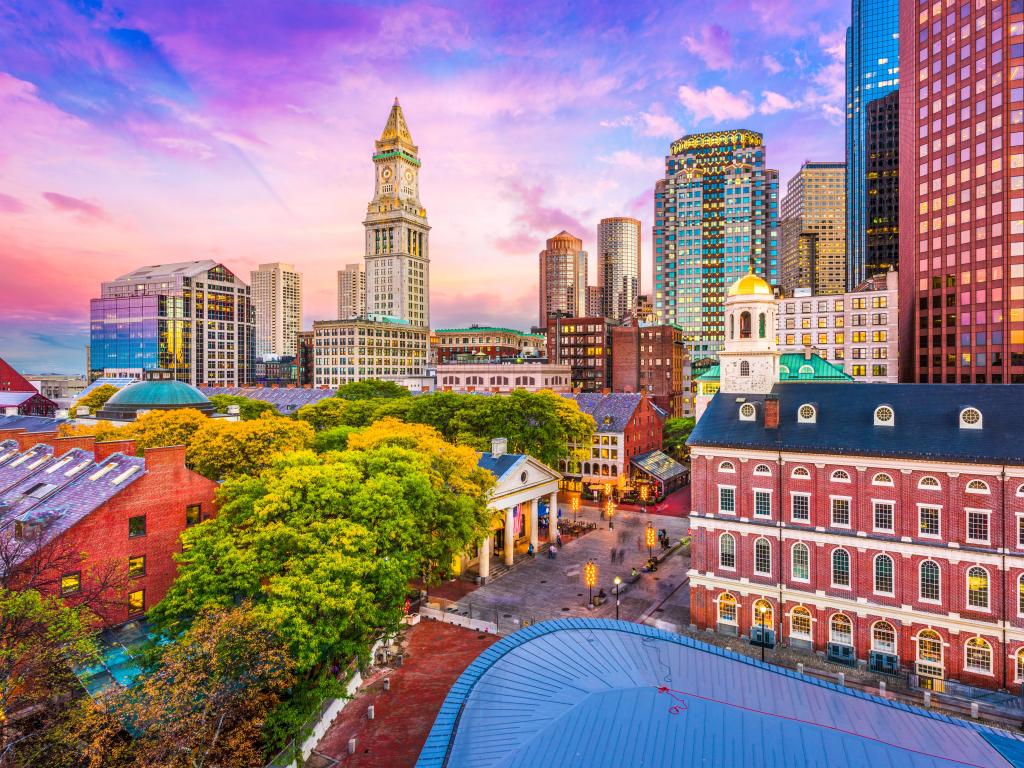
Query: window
x=1019, y=666
x=800, y=623
x=928, y=521
x=882, y=479
x=930, y=589
x=762, y=504
x=763, y=469
x=884, y=416
x=806, y=414
x=977, y=588
x=744, y=368
x=747, y=412
x=977, y=526
x=883, y=637
x=883, y=574
x=136, y=526
x=840, y=568
x=801, y=472
x=929, y=647
x=136, y=566
x=800, y=507
x=840, y=476
x=801, y=562
x=977, y=486
x=70, y=583
x=1020, y=594
x=726, y=499
x=840, y=512
x=193, y=514
x=978, y=657
x=763, y=614
x=840, y=630
x=136, y=601
x=727, y=608
x=970, y=418
x=929, y=484
x=726, y=551
x=762, y=557
x=726, y=466
x=883, y=519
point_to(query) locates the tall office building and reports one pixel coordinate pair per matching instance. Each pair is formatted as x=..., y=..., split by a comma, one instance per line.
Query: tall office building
x=716, y=218
x=813, y=229
x=962, y=193
x=872, y=71
x=277, y=302
x=618, y=265
x=595, y=301
x=194, y=318
x=351, y=291
x=397, y=250
x=563, y=278
x=882, y=209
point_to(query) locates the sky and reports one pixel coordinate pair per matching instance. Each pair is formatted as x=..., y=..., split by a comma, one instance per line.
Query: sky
x=135, y=133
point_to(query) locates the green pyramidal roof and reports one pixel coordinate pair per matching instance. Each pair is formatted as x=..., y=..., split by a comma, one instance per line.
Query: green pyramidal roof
x=794, y=366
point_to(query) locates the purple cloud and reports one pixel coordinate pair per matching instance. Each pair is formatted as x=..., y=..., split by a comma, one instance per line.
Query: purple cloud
x=10, y=204
x=76, y=205
x=713, y=46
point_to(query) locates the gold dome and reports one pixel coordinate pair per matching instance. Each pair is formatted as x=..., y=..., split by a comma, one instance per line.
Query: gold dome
x=750, y=285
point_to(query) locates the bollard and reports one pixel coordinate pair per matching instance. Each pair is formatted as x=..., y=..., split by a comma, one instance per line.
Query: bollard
x=842, y=678
x=369, y=712
x=974, y=710
x=800, y=667
x=387, y=683
x=881, y=687
x=352, y=746
x=927, y=698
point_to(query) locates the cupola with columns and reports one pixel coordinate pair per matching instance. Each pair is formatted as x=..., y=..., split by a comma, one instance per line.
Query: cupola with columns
x=749, y=361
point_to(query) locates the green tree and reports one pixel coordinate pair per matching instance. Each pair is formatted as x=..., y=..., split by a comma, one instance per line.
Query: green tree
x=371, y=389
x=333, y=439
x=96, y=399
x=327, y=413
x=221, y=449
x=248, y=409
x=674, y=435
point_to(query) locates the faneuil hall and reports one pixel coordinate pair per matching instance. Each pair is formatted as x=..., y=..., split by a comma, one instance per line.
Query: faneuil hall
x=878, y=524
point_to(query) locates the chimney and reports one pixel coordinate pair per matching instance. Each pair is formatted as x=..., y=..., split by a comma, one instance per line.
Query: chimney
x=11, y=434
x=27, y=439
x=807, y=353
x=771, y=411
x=101, y=451
x=165, y=456
x=64, y=444
x=499, y=446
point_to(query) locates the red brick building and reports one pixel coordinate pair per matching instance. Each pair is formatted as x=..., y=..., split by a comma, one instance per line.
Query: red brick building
x=19, y=397
x=879, y=523
x=82, y=518
x=653, y=360
x=585, y=345
x=479, y=343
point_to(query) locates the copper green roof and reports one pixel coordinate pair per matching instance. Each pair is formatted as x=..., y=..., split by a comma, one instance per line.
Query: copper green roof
x=793, y=366
x=490, y=329
x=156, y=393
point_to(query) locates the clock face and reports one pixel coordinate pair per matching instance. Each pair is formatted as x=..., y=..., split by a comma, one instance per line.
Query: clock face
x=385, y=174
x=408, y=176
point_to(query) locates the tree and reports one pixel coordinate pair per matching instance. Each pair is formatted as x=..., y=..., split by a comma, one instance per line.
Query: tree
x=674, y=435
x=329, y=412
x=96, y=399
x=371, y=389
x=220, y=448
x=333, y=439
x=248, y=408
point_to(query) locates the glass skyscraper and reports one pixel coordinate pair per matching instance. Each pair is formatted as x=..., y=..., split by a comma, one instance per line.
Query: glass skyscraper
x=872, y=71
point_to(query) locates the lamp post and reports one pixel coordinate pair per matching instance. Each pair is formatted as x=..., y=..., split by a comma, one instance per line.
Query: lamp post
x=590, y=578
x=643, y=497
x=575, y=507
x=618, y=581
x=761, y=611
x=609, y=509
x=652, y=537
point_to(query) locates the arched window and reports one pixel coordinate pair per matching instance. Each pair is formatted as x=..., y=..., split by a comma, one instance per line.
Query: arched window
x=763, y=613
x=1020, y=490
x=762, y=557
x=1019, y=666
x=800, y=472
x=840, y=476
x=744, y=368
x=744, y=325
x=883, y=637
x=726, y=608
x=732, y=326
x=762, y=323
x=929, y=647
x=883, y=574
x=929, y=484
x=800, y=623
x=615, y=470
x=884, y=416
x=840, y=568
x=840, y=629
x=726, y=551
x=805, y=370
x=763, y=469
x=977, y=486
x=1020, y=594
x=977, y=588
x=806, y=414
x=801, y=562
x=726, y=466
x=881, y=479
x=930, y=581
x=970, y=418
x=978, y=656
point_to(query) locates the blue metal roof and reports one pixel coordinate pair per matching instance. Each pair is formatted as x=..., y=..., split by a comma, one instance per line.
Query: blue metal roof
x=30, y=423
x=501, y=465
x=286, y=399
x=926, y=423
x=598, y=693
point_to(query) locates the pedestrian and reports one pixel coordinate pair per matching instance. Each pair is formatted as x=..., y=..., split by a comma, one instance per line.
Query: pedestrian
x=530, y=551
x=613, y=554
x=558, y=540
x=639, y=544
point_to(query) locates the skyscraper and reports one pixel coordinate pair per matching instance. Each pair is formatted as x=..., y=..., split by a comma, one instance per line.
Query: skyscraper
x=716, y=218
x=193, y=318
x=882, y=254
x=277, y=302
x=872, y=71
x=962, y=193
x=563, y=278
x=351, y=291
x=618, y=265
x=595, y=301
x=397, y=252
x=813, y=229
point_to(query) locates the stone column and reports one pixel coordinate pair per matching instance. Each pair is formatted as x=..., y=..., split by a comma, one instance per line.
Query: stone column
x=509, y=537
x=534, y=503
x=484, y=564
x=553, y=517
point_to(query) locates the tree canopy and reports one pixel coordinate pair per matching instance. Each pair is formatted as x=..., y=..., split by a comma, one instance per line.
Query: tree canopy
x=248, y=408
x=95, y=399
x=371, y=389
x=675, y=433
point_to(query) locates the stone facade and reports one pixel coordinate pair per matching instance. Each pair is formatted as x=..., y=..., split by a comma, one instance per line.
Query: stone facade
x=503, y=377
x=653, y=359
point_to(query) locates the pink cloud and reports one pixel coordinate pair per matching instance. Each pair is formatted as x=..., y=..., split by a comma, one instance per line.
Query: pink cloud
x=10, y=204
x=76, y=205
x=713, y=46
x=716, y=103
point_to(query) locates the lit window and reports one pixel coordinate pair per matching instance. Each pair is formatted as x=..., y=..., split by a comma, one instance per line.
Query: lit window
x=800, y=623
x=881, y=479
x=978, y=657
x=136, y=601
x=930, y=589
x=840, y=512
x=883, y=637
x=727, y=608
x=841, y=630
x=136, y=566
x=977, y=588
x=884, y=416
x=970, y=418
x=763, y=614
x=928, y=521
x=929, y=647
x=70, y=583
x=977, y=486
x=928, y=484
x=727, y=551
x=806, y=414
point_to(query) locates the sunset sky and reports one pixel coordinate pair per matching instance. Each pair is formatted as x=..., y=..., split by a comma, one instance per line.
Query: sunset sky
x=135, y=133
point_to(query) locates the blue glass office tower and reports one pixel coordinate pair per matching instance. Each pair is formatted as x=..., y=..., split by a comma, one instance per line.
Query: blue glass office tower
x=872, y=71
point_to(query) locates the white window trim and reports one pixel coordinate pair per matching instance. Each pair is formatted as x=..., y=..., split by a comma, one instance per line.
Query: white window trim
x=935, y=488
x=832, y=569
x=977, y=492
x=988, y=525
x=797, y=520
x=791, y=570
x=770, y=557
x=929, y=535
x=849, y=501
x=1019, y=611
x=726, y=567
x=882, y=483
x=771, y=502
x=852, y=629
x=895, y=635
x=832, y=477
x=874, y=575
x=718, y=611
x=734, y=500
x=731, y=470
x=883, y=501
x=967, y=590
x=763, y=474
x=1016, y=667
x=794, y=476
x=1019, y=516
x=991, y=659
x=928, y=600
x=798, y=635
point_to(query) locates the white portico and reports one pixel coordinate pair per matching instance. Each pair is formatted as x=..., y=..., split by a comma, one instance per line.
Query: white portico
x=526, y=489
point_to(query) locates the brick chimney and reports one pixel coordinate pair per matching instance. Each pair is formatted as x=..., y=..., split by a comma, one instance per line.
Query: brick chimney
x=499, y=447
x=165, y=456
x=103, y=450
x=771, y=411
x=10, y=434
x=64, y=444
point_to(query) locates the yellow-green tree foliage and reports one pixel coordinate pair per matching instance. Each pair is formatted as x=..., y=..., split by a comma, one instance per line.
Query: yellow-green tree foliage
x=96, y=399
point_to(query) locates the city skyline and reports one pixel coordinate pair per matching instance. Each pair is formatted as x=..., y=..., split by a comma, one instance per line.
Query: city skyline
x=140, y=137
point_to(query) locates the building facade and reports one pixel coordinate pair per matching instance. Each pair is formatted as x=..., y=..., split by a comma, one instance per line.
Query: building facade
x=716, y=216
x=618, y=266
x=813, y=229
x=872, y=72
x=563, y=279
x=306, y=357
x=345, y=351
x=397, y=251
x=487, y=343
x=351, y=291
x=962, y=195
x=277, y=304
x=585, y=345
x=193, y=318
x=856, y=331
x=595, y=301
x=653, y=360
x=503, y=376
x=882, y=206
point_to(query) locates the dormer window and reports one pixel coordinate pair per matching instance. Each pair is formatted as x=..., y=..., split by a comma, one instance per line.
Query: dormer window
x=807, y=414
x=884, y=416
x=805, y=370
x=970, y=418
x=748, y=412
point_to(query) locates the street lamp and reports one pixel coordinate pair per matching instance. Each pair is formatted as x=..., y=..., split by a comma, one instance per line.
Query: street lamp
x=590, y=577
x=609, y=509
x=652, y=537
x=761, y=611
x=618, y=581
x=643, y=497
x=575, y=507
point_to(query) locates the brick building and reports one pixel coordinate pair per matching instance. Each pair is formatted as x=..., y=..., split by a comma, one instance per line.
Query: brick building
x=585, y=345
x=877, y=523
x=78, y=517
x=19, y=398
x=497, y=376
x=653, y=359
x=487, y=343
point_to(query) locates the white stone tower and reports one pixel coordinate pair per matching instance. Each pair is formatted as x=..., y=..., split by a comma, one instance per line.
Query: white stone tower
x=749, y=363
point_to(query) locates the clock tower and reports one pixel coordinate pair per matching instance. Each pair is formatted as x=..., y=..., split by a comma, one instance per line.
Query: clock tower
x=396, y=247
x=749, y=363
